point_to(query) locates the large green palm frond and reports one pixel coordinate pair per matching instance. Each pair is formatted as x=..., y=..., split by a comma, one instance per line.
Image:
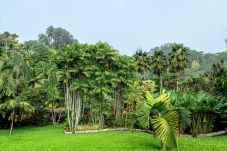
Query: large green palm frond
x=158, y=113
x=166, y=127
x=143, y=114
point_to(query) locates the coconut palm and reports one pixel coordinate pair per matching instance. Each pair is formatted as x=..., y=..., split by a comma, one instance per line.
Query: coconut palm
x=159, y=64
x=16, y=109
x=157, y=112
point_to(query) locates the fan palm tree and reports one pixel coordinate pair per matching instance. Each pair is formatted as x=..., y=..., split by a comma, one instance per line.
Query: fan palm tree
x=16, y=109
x=157, y=112
x=142, y=60
x=159, y=65
x=178, y=59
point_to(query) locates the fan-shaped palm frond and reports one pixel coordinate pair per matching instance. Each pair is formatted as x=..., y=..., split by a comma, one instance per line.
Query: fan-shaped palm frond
x=157, y=112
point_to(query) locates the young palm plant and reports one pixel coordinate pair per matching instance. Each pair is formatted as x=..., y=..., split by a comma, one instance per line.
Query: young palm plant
x=157, y=113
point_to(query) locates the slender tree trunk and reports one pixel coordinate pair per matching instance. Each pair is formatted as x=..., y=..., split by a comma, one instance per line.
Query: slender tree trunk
x=163, y=146
x=11, y=126
x=67, y=103
x=114, y=106
x=101, y=117
x=53, y=115
x=59, y=117
x=77, y=109
x=83, y=107
x=161, y=83
x=126, y=120
x=177, y=86
x=118, y=106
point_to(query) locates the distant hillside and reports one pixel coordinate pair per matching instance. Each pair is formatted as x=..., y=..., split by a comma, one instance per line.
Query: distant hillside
x=199, y=61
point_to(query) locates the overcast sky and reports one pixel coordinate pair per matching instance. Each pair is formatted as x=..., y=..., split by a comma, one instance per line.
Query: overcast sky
x=125, y=24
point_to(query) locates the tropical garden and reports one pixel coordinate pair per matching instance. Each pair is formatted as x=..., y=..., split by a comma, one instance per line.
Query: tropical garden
x=165, y=98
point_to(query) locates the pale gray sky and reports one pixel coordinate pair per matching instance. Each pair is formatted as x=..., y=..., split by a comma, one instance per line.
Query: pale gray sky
x=125, y=24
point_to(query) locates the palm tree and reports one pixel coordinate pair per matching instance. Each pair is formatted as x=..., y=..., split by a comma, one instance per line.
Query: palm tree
x=157, y=112
x=9, y=40
x=16, y=108
x=178, y=59
x=7, y=79
x=104, y=56
x=142, y=60
x=159, y=65
x=125, y=75
x=72, y=72
x=36, y=78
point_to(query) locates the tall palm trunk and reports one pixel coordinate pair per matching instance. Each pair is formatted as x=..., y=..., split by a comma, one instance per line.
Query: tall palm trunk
x=73, y=107
x=117, y=106
x=101, y=116
x=12, y=121
x=53, y=115
x=161, y=83
x=11, y=127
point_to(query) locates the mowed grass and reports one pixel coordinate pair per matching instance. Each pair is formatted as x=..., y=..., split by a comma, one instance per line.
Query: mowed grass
x=52, y=138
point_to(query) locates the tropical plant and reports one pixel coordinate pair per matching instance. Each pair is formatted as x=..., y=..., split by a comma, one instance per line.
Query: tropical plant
x=159, y=65
x=125, y=75
x=178, y=60
x=142, y=60
x=203, y=110
x=73, y=72
x=16, y=109
x=157, y=112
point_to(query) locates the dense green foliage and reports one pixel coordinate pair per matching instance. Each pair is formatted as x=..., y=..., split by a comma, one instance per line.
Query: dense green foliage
x=56, y=79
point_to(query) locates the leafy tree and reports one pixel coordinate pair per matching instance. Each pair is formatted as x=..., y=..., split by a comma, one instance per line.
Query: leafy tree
x=8, y=41
x=16, y=109
x=216, y=80
x=125, y=75
x=57, y=37
x=104, y=57
x=35, y=46
x=72, y=72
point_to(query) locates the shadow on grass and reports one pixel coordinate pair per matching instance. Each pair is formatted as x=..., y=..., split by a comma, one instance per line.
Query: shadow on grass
x=151, y=145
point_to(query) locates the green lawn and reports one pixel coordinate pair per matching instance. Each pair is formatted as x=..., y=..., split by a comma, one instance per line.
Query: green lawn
x=51, y=138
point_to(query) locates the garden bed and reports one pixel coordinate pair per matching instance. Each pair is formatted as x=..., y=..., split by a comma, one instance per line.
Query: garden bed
x=107, y=129
x=147, y=131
